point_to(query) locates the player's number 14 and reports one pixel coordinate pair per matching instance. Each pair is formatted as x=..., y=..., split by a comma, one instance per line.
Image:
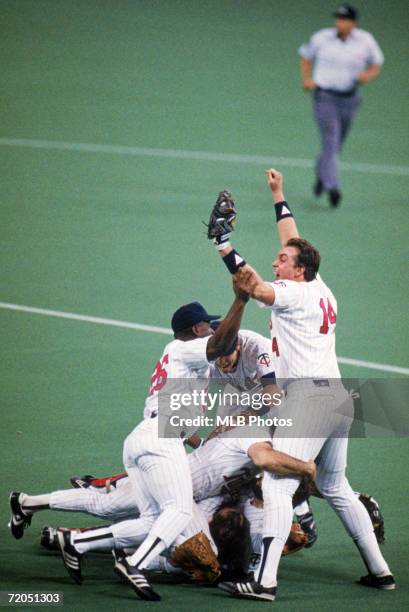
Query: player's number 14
x=329, y=314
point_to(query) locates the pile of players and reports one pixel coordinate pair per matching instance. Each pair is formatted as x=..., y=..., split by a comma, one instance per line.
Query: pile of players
x=224, y=512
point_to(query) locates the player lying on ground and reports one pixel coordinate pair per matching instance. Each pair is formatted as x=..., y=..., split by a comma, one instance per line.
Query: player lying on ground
x=212, y=467
x=303, y=319
x=209, y=465
x=110, y=499
x=158, y=467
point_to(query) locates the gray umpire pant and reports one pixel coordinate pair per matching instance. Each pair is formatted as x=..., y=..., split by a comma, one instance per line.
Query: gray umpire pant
x=334, y=114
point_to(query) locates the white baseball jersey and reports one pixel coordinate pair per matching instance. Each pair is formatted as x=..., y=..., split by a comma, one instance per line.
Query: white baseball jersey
x=303, y=319
x=218, y=458
x=256, y=361
x=180, y=361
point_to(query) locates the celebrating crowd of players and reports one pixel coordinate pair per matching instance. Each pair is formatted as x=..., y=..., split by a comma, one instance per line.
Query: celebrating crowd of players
x=167, y=497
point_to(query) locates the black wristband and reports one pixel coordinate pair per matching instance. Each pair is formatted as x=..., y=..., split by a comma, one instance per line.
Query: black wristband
x=233, y=261
x=282, y=210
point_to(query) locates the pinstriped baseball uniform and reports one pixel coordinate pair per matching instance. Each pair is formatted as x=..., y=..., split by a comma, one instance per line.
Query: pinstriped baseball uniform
x=255, y=361
x=217, y=459
x=114, y=506
x=209, y=465
x=303, y=319
x=159, y=467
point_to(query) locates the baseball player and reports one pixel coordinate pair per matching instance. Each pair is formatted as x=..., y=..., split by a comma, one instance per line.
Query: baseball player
x=157, y=467
x=303, y=319
x=210, y=465
x=247, y=366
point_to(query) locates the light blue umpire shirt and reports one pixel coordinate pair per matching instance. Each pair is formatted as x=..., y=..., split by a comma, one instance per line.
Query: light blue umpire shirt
x=338, y=62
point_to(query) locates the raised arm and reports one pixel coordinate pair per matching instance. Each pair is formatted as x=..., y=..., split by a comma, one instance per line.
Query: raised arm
x=286, y=226
x=228, y=329
x=221, y=226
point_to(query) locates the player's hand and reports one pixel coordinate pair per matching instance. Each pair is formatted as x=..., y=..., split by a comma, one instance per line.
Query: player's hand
x=311, y=469
x=245, y=280
x=309, y=84
x=363, y=77
x=275, y=182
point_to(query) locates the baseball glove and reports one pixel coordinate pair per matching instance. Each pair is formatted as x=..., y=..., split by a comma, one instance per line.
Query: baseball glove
x=197, y=558
x=375, y=515
x=296, y=540
x=222, y=218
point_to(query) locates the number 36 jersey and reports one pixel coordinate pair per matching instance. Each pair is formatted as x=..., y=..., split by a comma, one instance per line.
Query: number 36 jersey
x=181, y=363
x=303, y=320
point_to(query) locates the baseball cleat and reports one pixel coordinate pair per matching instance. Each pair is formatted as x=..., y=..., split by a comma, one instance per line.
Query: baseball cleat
x=375, y=515
x=71, y=558
x=81, y=482
x=249, y=590
x=134, y=577
x=307, y=524
x=49, y=538
x=19, y=520
x=385, y=583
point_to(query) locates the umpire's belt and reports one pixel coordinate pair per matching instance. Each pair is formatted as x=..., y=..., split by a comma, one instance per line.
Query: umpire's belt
x=342, y=94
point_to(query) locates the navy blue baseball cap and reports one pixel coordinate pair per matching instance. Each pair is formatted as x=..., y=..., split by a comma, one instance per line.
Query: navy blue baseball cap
x=188, y=315
x=346, y=11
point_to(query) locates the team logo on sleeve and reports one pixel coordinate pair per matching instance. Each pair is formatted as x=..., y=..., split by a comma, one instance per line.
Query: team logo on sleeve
x=264, y=359
x=279, y=283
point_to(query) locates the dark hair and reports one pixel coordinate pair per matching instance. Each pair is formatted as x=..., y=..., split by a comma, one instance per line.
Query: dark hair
x=308, y=257
x=231, y=535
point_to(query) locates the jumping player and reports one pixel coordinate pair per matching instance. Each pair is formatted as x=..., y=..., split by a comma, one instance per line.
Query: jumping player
x=303, y=319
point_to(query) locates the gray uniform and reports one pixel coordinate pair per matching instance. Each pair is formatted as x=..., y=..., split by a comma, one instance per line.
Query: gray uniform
x=337, y=64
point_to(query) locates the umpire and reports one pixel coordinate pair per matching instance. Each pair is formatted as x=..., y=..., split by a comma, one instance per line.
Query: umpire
x=334, y=62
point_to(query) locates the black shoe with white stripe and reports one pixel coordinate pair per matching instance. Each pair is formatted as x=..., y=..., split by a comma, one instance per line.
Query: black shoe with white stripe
x=71, y=558
x=385, y=583
x=19, y=520
x=249, y=590
x=134, y=577
x=81, y=482
x=49, y=538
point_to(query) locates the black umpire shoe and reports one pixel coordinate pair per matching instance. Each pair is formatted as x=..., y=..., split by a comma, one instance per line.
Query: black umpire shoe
x=385, y=583
x=335, y=197
x=19, y=520
x=375, y=515
x=70, y=556
x=81, y=482
x=134, y=577
x=318, y=187
x=249, y=590
x=307, y=524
